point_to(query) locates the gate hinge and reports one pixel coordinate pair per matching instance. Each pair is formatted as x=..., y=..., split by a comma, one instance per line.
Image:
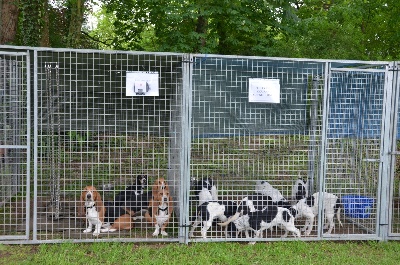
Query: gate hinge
x=393, y=68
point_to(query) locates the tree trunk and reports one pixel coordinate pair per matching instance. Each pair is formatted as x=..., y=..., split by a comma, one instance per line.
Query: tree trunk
x=201, y=28
x=8, y=21
x=76, y=19
x=45, y=38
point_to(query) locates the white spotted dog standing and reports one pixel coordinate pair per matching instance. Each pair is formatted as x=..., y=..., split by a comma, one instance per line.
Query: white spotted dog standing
x=207, y=212
x=308, y=208
x=266, y=218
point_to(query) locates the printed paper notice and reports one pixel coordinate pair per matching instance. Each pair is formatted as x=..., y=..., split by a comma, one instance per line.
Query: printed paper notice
x=264, y=90
x=142, y=84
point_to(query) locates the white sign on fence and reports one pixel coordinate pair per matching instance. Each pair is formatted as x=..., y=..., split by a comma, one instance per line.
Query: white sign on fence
x=264, y=90
x=142, y=84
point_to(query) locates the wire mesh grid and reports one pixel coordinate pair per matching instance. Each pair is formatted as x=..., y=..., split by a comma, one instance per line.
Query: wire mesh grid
x=14, y=143
x=238, y=143
x=326, y=130
x=91, y=133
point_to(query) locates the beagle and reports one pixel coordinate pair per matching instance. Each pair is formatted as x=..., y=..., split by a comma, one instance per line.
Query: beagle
x=97, y=213
x=93, y=208
x=160, y=207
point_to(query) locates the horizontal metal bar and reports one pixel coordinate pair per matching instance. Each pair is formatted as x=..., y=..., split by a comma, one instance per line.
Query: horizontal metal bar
x=358, y=70
x=14, y=146
x=371, y=160
x=13, y=238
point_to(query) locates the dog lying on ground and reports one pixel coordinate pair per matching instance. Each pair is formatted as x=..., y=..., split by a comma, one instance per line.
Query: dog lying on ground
x=138, y=188
x=209, y=211
x=160, y=207
x=308, y=208
x=92, y=207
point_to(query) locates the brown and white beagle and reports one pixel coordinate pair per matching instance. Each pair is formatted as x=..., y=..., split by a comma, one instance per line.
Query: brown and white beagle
x=96, y=212
x=160, y=207
x=93, y=208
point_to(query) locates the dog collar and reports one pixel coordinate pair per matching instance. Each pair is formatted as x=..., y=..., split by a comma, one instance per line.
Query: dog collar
x=163, y=209
x=90, y=207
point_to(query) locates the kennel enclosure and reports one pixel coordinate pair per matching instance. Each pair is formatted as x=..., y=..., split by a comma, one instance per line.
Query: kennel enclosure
x=72, y=118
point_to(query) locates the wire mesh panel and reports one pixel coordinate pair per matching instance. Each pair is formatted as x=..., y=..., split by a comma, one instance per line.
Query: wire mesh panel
x=182, y=147
x=14, y=146
x=395, y=159
x=353, y=145
x=92, y=132
x=246, y=146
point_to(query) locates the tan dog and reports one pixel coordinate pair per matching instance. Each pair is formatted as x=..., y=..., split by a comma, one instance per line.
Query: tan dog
x=160, y=207
x=97, y=213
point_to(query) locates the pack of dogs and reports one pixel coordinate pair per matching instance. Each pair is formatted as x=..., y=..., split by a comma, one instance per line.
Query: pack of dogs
x=135, y=202
x=255, y=213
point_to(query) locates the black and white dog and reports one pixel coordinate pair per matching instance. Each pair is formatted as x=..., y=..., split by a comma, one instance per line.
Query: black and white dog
x=205, y=190
x=270, y=217
x=134, y=199
x=299, y=190
x=263, y=187
x=308, y=208
x=249, y=204
x=138, y=188
x=259, y=212
x=208, y=211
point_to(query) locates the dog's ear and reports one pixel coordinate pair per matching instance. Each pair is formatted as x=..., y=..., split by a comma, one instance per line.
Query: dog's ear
x=99, y=205
x=81, y=203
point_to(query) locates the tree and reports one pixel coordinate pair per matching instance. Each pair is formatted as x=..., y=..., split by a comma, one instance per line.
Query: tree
x=8, y=21
x=342, y=29
x=206, y=26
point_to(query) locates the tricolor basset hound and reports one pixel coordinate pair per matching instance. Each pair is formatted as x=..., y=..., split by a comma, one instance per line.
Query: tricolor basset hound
x=97, y=213
x=93, y=208
x=160, y=207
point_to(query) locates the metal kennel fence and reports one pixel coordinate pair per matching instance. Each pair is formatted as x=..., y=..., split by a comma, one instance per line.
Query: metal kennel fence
x=72, y=118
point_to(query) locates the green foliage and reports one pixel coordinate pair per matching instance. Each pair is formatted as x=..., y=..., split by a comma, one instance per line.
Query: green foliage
x=229, y=27
x=343, y=29
x=31, y=22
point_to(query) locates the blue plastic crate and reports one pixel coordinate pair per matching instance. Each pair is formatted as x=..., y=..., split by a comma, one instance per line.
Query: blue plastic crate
x=356, y=206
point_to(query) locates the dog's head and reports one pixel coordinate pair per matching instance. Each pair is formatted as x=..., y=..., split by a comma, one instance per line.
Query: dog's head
x=91, y=197
x=206, y=183
x=300, y=190
x=159, y=186
x=141, y=182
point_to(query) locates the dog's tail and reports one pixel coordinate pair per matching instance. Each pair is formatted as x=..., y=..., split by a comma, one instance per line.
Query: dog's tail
x=230, y=219
x=338, y=207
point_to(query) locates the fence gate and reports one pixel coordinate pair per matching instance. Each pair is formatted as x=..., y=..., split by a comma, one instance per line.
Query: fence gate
x=394, y=212
x=352, y=160
x=14, y=146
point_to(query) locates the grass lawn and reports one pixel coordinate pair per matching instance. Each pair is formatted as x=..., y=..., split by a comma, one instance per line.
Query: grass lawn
x=296, y=252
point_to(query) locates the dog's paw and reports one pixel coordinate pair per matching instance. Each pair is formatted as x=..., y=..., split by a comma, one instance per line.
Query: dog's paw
x=96, y=233
x=108, y=229
x=87, y=230
x=164, y=233
x=106, y=225
x=155, y=233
